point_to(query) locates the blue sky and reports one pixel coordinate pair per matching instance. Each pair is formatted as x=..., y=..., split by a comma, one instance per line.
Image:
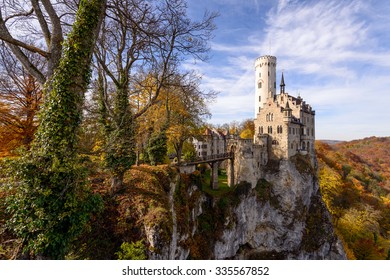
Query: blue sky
x=334, y=53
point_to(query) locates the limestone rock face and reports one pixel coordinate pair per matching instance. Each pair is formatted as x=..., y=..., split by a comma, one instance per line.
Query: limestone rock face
x=282, y=216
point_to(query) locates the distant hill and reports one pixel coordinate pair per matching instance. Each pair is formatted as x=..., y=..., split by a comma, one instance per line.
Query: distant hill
x=355, y=184
x=331, y=142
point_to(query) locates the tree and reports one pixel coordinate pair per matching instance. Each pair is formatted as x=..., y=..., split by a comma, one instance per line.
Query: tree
x=187, y=111
x=247, y=129
x=157, y=147
x=141, y=46
x=50, y=202
x=21, y=18
x=20, y=96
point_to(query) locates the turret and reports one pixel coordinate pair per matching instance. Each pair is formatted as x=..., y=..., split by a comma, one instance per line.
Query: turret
x=265, y=80
x=282, y=85
x=287, y=113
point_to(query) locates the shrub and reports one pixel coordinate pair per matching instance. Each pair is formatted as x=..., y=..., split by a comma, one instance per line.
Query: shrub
x=132, y=251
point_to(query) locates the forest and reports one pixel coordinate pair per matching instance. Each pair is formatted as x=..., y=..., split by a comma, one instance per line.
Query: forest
x=355, y=185
x=89, y=82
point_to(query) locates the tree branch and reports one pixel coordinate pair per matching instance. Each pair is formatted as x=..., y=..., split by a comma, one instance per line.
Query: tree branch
x=55, y=47
x=42, y=21
x=26, y=14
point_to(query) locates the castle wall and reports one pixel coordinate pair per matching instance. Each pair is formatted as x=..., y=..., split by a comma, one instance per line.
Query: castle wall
x=248, y=160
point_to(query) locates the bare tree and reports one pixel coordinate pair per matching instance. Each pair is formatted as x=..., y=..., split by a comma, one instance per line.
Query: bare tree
x=34, y=26
x=140, y=49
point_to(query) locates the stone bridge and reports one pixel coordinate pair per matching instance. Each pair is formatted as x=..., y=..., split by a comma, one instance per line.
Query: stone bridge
x=214, y=162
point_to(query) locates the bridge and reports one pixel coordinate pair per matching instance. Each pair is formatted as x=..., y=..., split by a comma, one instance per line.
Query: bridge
x=212, y=158
x=214, y=161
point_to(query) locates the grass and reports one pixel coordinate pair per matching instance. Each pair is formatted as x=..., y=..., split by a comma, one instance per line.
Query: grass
x=223, y=186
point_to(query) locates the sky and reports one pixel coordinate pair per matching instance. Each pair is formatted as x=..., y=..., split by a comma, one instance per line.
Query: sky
x=335, y=54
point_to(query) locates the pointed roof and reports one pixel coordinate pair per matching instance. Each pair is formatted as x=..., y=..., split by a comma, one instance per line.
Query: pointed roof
x=287, y=108
x=282, y=81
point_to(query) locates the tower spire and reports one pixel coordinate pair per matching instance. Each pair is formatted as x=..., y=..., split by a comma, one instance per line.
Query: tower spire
x=282, y=85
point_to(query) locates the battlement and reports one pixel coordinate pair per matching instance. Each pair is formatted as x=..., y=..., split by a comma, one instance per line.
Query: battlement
x=266, y=59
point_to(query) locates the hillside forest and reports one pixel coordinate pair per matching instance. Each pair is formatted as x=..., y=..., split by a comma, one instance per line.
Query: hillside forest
x=355, y=185
x=97, y=100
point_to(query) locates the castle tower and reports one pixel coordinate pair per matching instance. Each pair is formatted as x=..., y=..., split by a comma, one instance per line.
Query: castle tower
x=265, y=80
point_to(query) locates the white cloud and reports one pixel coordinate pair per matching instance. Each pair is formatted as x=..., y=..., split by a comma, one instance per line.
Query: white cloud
x=330, y=51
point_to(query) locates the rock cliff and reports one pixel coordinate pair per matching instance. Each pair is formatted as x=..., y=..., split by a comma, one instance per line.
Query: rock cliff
x=282, y=216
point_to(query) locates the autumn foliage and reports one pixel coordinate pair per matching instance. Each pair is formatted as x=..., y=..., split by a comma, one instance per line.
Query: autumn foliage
x=354, y=181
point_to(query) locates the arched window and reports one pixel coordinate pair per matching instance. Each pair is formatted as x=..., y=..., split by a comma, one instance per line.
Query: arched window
x=267, y=117
x=281, y=130
x=308, y=146
x=303, y=146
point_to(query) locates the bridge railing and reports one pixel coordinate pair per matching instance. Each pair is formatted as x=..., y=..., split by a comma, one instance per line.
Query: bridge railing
x=216, y=156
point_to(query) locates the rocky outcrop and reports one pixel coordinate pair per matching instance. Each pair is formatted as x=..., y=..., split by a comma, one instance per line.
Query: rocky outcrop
x=282, y=216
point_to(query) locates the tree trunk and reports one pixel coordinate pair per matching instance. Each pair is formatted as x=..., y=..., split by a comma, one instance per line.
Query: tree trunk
x=116, y=183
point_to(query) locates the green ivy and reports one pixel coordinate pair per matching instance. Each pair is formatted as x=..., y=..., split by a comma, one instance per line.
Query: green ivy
x=157, y=147
x=132, y=251
x=119, y=132
x=50, y=201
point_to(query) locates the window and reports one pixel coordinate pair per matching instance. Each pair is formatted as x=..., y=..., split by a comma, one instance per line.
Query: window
x=274, y=84
x=259, y=85
x=281, y=130
x=260, y=75
x=259, y=98
x=289, y=131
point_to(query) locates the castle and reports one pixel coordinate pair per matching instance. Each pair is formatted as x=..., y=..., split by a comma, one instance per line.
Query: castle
x=284, y=127
x=284, y=123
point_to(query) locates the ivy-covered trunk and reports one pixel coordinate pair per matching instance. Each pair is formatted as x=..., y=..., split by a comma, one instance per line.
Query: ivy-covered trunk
x=51, y=202
x=120, y=141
